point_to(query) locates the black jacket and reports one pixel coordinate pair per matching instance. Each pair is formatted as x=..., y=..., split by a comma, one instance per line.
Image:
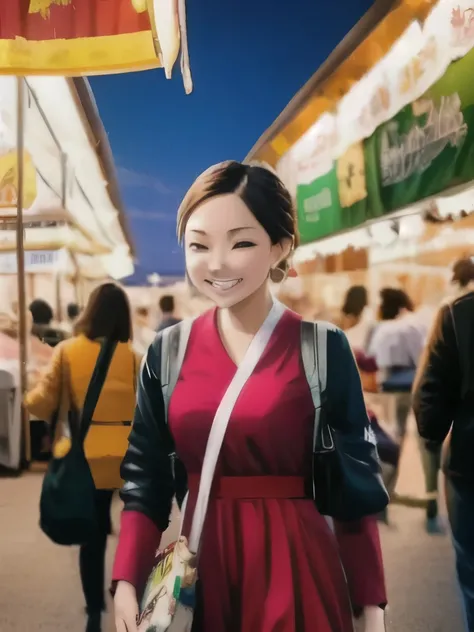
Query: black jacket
x=443, y=394
x=147, y=468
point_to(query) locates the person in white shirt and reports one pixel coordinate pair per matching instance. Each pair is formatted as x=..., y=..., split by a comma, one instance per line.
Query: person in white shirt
x=397, y=345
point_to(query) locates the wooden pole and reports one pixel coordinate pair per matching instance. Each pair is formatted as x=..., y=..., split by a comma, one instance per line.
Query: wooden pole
x=59, y=311
x=20, y=258
x=76, y=275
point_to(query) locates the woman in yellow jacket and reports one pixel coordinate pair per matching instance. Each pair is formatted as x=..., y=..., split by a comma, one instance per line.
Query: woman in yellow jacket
x=107, y=315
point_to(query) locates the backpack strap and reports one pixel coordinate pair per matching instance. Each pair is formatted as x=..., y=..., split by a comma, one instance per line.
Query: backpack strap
x=174, y=341
x=314, y=356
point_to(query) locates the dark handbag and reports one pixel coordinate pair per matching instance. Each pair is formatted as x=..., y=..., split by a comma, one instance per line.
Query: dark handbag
x=347, y=481
x=67, y=504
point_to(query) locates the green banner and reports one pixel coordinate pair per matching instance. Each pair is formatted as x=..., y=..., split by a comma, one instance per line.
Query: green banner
x=427, y=148
x=320, y=212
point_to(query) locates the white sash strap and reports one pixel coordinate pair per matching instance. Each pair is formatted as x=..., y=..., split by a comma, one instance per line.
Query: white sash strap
x=222, y=416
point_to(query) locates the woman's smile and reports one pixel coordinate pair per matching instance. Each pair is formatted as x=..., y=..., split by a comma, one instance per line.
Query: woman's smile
x=223, y=285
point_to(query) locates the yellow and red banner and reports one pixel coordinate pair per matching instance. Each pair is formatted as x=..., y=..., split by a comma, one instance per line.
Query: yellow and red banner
x=74, y=37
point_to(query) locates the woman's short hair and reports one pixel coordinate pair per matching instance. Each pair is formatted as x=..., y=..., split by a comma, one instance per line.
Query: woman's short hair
x=106, y=315
x=41, y=312
x=73, y=311
x=167, y=304
x=355, y=302
x=463, y=271
x=393, y=301
x=261, y=190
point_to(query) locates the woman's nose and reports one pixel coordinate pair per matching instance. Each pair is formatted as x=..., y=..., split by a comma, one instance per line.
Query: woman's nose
x=216, y=262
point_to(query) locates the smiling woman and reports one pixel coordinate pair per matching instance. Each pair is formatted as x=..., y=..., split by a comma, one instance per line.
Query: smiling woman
x=279, y=565
x=238, y=226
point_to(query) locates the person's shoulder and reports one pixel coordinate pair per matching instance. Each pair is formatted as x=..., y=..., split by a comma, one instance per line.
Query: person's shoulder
x=381, y=329
x=466, y=300
x=335, y=336
x=74, y=342
x=180, y=324
x=71, y=349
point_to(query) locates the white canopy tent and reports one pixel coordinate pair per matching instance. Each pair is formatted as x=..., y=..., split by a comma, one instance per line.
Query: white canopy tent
x=64, y=153
x=52, y=126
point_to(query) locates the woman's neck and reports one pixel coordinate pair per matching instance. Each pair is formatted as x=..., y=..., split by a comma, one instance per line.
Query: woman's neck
x=248, y=315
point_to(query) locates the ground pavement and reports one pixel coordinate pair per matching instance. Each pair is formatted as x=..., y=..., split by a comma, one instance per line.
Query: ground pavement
x=40, y=588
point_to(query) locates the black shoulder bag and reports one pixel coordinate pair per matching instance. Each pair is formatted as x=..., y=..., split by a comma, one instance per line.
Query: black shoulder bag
x=347, y=482
x=67, y=504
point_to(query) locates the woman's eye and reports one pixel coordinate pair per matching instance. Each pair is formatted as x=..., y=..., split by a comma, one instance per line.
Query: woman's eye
x=244, y=244
x=196, y=247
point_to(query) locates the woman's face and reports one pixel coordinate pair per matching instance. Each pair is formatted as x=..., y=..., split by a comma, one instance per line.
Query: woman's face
x=228, y=253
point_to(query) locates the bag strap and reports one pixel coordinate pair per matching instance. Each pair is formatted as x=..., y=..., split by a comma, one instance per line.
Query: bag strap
x=66, y=400
x=222, y=416
x=314, y=356
x=134, y=369
x=174, y=341
x=107, y=350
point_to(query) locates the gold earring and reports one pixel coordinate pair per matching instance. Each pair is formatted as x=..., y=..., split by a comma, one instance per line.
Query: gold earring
x=277, y=275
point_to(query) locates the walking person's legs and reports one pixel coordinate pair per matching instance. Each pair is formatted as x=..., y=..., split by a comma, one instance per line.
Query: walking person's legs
x=460, y=503
x=92, y=563
x=402, y=411
x=431, y=461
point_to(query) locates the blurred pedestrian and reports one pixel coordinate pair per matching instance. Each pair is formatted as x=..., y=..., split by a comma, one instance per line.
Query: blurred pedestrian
x=396, y=346
x=357, y=318
x=167, y=307
x=443, y=401
x=107, y=315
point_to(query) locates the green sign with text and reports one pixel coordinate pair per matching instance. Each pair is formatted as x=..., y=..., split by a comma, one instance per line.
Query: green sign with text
x=427, y=148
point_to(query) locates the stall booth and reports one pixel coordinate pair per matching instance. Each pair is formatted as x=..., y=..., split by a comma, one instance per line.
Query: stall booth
x=75, y=160
x=379, y=135
x=74, y=232
x=373, y=148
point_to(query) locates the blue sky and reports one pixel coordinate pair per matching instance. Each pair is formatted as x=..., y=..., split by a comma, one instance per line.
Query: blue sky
x=248, y=59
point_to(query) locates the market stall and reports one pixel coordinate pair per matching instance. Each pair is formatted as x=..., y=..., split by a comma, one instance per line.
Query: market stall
x=376, y=151
x=366, y=161
x=48, y=37
x=73, y=228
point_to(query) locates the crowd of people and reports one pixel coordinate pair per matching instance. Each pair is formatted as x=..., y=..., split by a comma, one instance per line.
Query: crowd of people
x=429, y=367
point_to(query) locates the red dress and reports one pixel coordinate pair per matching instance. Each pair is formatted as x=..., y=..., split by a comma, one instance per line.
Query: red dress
x=267, y=565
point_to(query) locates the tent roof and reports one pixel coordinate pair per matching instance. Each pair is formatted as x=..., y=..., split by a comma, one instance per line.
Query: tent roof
x=82, y=91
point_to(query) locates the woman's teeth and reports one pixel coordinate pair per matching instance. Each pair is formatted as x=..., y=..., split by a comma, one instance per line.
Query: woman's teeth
x=225, y=285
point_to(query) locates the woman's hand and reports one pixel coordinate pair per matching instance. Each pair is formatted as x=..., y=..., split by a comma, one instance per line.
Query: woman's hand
x=374, y=619
x=126, y=608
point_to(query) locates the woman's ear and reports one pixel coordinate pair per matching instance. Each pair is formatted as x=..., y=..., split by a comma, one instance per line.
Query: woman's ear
x=282, y=250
